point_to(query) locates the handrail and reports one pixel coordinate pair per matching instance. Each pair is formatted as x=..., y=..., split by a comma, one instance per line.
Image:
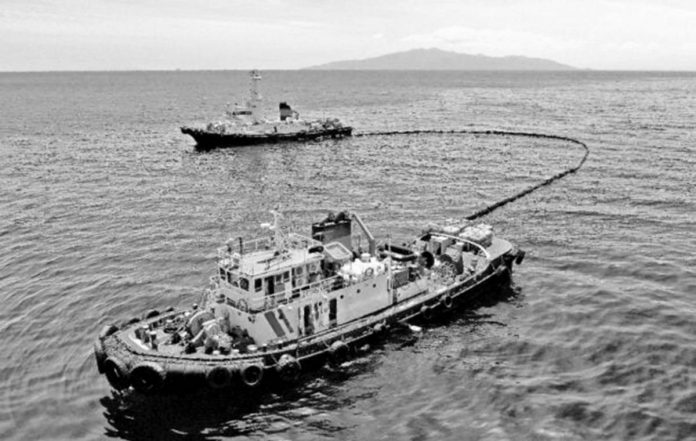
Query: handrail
x=479, y=246
x=294, y=240
x=257, y=304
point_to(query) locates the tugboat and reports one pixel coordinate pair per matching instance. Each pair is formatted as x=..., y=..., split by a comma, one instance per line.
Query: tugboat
x=279, y=303
x=244, y=125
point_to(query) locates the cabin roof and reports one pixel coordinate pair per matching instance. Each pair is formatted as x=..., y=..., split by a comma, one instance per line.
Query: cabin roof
x=266, y=262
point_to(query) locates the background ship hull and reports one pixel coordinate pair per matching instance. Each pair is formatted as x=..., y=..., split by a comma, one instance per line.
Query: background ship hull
x=207, y=140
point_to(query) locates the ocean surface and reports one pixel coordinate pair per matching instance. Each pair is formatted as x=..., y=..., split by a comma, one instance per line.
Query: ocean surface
x=106, y=210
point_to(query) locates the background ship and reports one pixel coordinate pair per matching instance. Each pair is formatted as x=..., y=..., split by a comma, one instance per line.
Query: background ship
x=245, y=126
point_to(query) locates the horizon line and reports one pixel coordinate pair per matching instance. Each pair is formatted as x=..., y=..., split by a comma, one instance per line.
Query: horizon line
x=314, y=69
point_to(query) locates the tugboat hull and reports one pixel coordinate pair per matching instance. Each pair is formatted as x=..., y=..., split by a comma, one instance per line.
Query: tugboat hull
x=208, y=139
x=125, y=364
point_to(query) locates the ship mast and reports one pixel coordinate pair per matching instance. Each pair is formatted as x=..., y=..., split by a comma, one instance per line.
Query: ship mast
x=255, y=98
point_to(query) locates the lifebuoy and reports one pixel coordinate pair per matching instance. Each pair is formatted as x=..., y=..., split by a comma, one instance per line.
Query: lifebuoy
x=147, y=377
x=116, y=373
x=252, y=374
x=339, y=352
x=288, y=368
x=369, y=272
x=219, y=377
x=447, y=301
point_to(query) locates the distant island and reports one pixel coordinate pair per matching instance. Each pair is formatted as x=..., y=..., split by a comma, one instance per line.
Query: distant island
x=437, y=59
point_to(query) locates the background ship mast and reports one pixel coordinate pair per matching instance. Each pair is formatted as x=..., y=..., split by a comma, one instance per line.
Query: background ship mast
x=255, y=98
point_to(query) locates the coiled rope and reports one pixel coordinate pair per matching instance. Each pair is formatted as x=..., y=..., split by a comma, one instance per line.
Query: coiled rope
x=518, y=195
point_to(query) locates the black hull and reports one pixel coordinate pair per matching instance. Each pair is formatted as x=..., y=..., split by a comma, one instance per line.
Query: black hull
x=190, y=374
x=207, y=140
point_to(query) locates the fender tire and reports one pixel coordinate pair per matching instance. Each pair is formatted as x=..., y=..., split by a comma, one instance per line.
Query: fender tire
x=338, y=352
x=116, y=373
x=99, y=354
x=520, y=257
x=252, y=374
x=219, y=377
x=147, y=377
x=288, y=368
x=107, y=330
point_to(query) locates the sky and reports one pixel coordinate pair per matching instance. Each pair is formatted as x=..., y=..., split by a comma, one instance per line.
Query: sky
x=40, y=35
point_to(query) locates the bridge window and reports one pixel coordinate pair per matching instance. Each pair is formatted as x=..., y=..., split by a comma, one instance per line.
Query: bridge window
x=258, y=285
x=244, y=283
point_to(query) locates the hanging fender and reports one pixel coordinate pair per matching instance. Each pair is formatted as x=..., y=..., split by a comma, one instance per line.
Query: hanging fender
x=288, y=368
x=116, y=373
x=339, y=352
x=252, y=374
x=147, y=377
x=219, y=377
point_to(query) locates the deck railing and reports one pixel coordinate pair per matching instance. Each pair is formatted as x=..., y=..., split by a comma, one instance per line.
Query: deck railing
x=241, y=300
x=292, y=240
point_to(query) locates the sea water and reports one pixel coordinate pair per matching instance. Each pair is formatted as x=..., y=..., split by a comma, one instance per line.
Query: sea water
x=106, y=211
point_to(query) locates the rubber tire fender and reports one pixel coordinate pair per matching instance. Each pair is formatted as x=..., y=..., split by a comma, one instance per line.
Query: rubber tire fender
x=107, y=330
x=339, y=352
x=99, y=354
x=218, y=377
x=288, y=368
x=147, y=377
x=116, y=373
x=426, y=312
x=520, y=257
x=447, y=301
x=152, y=313
x=252, y=374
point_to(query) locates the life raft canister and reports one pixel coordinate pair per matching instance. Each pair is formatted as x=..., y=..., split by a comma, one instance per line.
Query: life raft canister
x=219, y=377
x=147, y=377
x=252, y=374
x=288, y=368
x=116, y=373
x=338, y=352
